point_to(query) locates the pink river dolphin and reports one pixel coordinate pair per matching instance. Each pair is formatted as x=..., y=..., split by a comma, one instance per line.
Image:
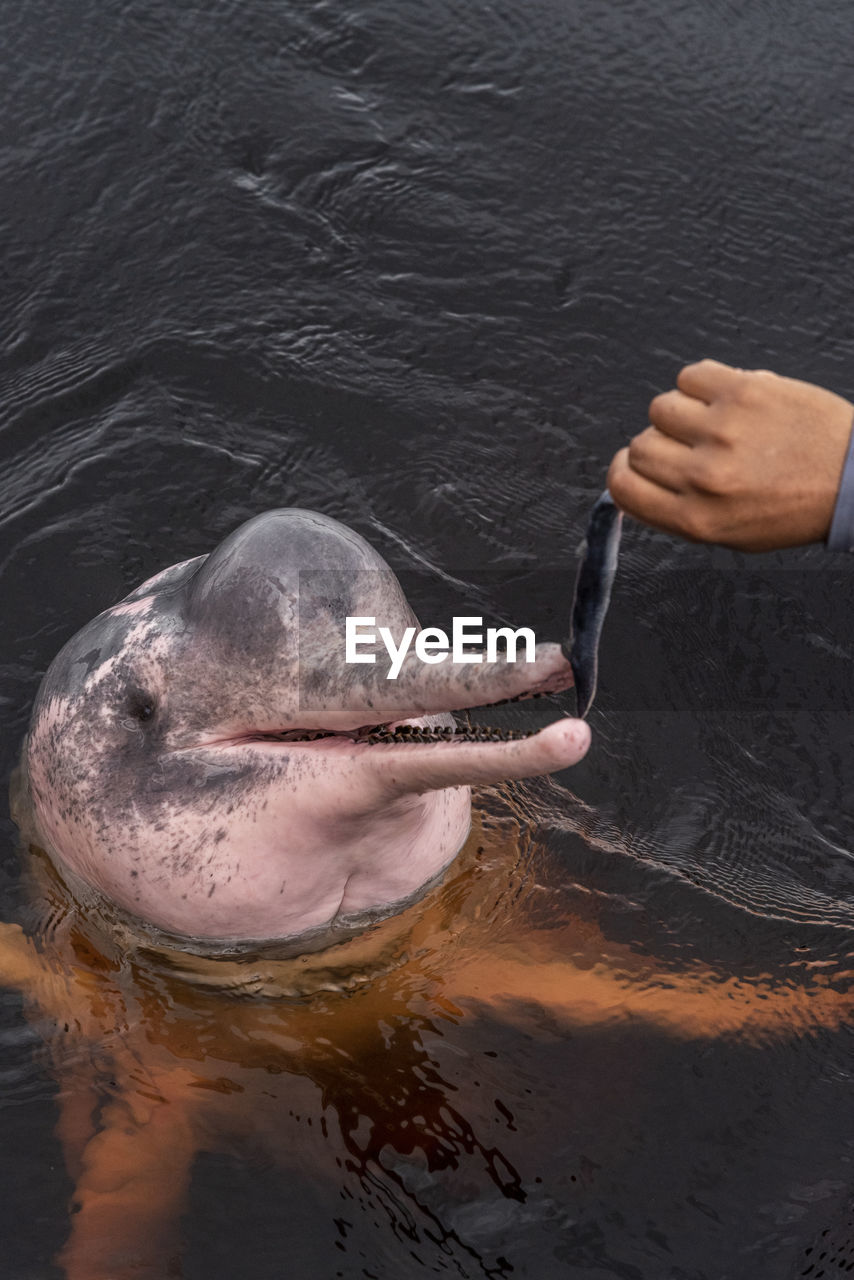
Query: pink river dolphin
x=203, y=756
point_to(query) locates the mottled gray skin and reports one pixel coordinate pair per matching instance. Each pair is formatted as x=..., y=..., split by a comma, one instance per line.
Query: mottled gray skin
x=153, y=781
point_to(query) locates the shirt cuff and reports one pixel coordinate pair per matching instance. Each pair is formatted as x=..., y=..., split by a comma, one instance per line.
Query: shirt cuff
x=841, y=534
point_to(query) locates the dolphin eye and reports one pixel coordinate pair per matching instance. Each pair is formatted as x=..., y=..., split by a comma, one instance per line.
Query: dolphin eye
x=140, y=705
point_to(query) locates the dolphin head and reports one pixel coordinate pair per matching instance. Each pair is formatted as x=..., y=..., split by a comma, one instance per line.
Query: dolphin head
x=203, y=754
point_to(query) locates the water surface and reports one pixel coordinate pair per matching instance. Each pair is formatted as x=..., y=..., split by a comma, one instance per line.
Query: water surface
x=422, y=267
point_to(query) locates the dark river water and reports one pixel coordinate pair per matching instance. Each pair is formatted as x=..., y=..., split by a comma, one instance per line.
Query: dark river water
x=421, y=267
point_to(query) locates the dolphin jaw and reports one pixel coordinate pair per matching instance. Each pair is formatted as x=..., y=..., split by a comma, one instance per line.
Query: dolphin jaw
x=409, y=731
x=415, y=709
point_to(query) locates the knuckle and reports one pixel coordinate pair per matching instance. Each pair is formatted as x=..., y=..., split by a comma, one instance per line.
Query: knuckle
x=753, y=389
x=702, y=477
x=726, y=435
x=713, y=476
x=695, y=367
x=724, y=427
x=697, y=524
x=748, y=392
x=617, y=473
x=639, y=446
x=660, y=405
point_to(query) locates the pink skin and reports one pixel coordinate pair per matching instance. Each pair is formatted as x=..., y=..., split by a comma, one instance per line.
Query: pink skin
x=149, y=780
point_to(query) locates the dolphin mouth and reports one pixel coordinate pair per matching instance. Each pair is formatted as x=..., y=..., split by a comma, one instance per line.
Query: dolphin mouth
x=411, y=732
x=406, y=732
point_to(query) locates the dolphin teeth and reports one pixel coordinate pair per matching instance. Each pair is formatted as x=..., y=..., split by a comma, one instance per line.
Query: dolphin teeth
x=374, y=735
x=410, y=733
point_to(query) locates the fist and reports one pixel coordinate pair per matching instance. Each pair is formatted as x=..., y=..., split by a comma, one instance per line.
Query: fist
x=740, y=457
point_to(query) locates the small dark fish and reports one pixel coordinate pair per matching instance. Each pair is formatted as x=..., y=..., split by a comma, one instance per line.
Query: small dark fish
x=592, y=594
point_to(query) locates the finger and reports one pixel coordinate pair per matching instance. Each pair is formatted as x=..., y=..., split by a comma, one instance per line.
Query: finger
x=660, y=459
x=709, y=380
x=415, y=768
x=678, y=415
x=643, y=499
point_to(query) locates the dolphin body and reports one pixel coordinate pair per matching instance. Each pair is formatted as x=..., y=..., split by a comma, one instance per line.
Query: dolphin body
x=201, y=754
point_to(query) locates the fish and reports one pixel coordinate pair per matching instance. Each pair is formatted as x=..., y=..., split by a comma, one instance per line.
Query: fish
x=592, y=596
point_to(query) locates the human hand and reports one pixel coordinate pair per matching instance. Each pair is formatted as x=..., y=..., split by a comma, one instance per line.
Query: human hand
x=740, y=457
